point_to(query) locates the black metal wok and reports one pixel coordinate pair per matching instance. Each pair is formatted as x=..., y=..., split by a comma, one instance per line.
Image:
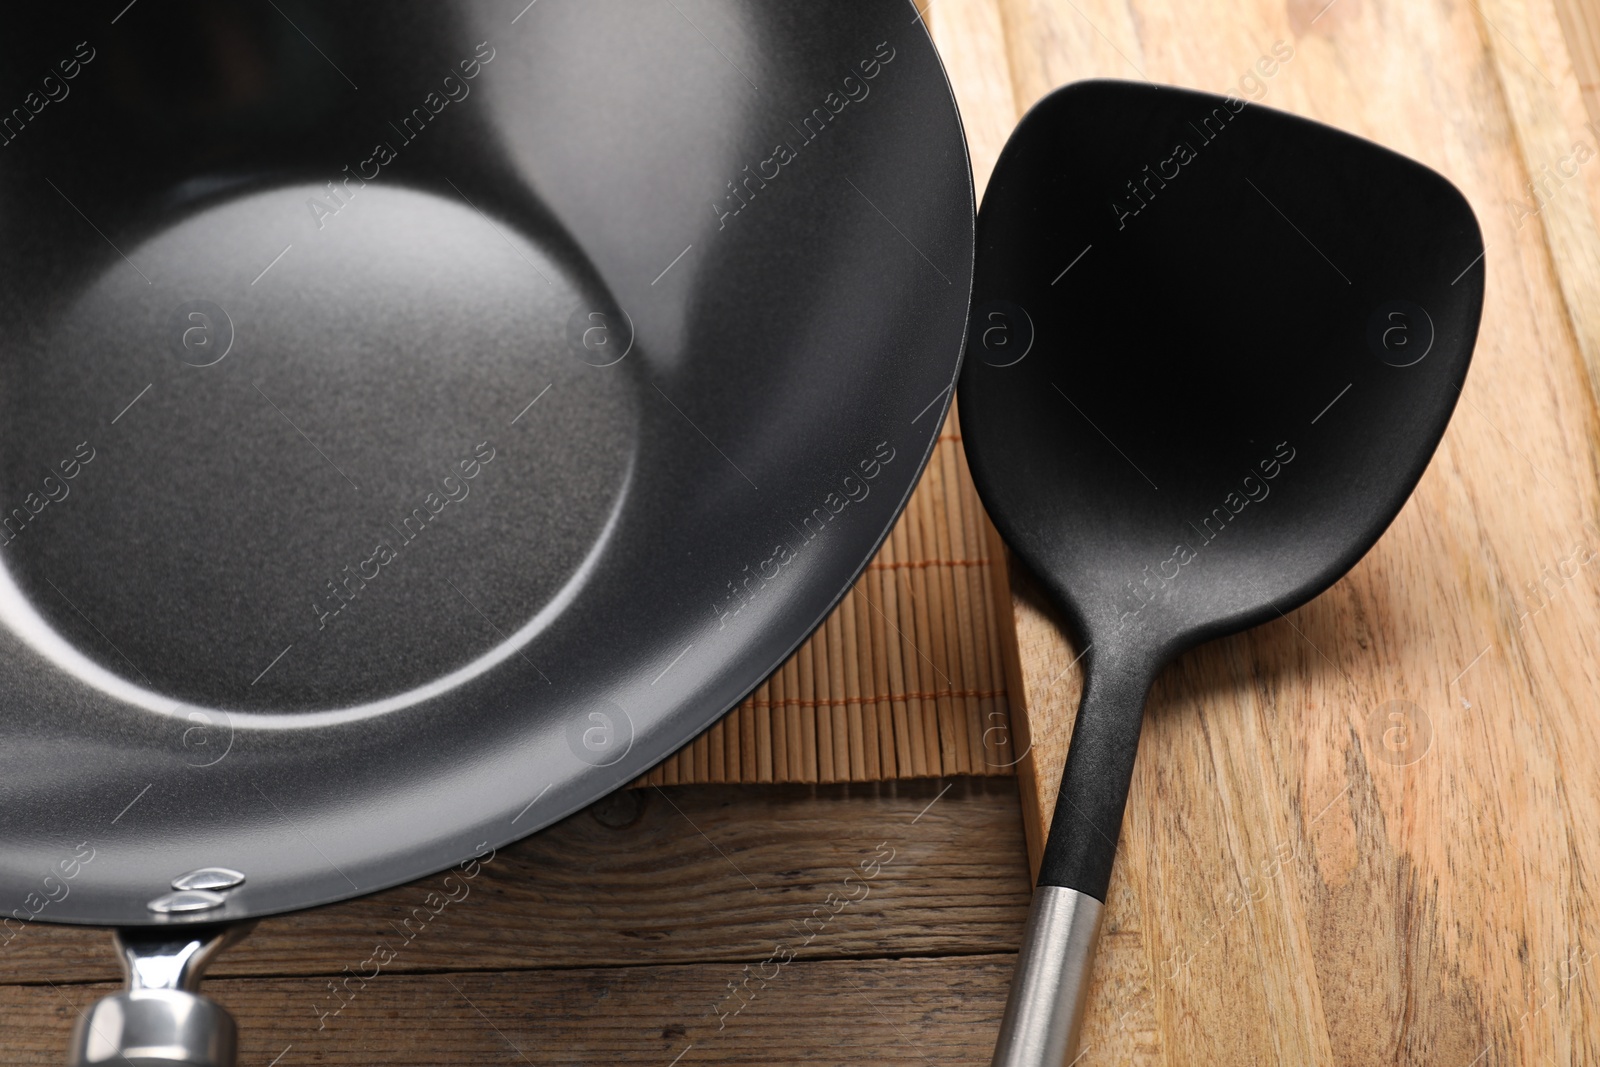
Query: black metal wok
x=418, y=419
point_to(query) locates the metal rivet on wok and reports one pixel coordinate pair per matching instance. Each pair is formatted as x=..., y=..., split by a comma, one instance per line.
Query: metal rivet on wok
x=186, y=900
x=216, y=879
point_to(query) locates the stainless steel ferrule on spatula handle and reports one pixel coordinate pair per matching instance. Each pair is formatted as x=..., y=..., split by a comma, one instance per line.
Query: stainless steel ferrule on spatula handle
x=1044, y=1011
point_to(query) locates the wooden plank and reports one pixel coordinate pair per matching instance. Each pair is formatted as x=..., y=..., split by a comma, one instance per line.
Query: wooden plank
x=1580, y=23
x=1292, y=885
x=913, y=1012
x=1557, y=138
x=684, y=875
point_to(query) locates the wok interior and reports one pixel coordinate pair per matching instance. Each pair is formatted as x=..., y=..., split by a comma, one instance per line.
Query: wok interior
x=390, y=390
x=325, y=371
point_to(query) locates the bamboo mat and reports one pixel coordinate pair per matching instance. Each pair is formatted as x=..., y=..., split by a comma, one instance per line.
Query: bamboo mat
x=904, y=680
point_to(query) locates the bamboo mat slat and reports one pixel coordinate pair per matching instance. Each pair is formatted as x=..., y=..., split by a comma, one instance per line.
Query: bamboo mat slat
x=904, y=679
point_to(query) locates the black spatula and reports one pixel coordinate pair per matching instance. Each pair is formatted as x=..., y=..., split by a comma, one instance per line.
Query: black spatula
x=1213, y=349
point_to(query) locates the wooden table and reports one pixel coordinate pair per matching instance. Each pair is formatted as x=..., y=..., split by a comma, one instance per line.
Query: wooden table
x=841, y=924
x=1363, y=834
x=1291, y=888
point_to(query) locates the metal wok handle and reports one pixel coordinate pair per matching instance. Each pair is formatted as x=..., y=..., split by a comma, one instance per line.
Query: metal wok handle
x=159, y=1020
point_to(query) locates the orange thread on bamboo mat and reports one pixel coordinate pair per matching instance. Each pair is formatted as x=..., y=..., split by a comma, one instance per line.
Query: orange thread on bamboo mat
x=902, y=564
x=953, y=694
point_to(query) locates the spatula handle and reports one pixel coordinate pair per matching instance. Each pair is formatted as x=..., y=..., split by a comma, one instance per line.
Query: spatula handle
x=1045, y=1008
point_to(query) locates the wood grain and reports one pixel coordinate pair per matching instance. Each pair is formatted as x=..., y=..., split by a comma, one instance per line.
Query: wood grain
x=710, y=916
x=1296, y=882
x=878, y=1011
x=680, y=875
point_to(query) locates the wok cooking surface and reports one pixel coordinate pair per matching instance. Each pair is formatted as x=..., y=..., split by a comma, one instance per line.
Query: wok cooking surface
x=418, y=422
